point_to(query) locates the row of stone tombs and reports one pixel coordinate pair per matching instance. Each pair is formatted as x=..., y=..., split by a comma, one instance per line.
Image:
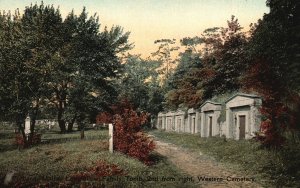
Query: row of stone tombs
x=242, y=118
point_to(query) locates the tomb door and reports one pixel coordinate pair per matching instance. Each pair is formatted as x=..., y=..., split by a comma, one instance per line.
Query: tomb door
x=193, y=125
x=160, y=123
x=179, y=125
x=210, y=126
x=242, y=120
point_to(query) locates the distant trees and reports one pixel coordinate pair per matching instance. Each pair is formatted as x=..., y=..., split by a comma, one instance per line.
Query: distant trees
x=140, y=84
x=184, y=85
x=265, y=61
x=211, y=64
x=164, y=53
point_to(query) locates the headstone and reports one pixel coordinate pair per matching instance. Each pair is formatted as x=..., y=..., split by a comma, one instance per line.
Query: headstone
x=111, y=133
x=27, y=125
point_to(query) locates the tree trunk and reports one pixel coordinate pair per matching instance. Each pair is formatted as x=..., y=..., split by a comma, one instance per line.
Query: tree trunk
x=61, y=98
x=81, y=128
x=61, y=121
x=20, y=120
x=71, y=124
x=32, y=120
x=82, y=133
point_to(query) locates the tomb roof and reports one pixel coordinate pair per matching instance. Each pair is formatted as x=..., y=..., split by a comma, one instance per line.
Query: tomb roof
x=242, y=95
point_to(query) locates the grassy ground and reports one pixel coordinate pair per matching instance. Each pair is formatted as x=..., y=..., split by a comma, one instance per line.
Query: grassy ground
x=63, y=154
x=272, y=168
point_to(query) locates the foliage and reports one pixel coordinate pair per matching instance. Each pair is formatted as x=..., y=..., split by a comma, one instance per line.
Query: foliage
x=224, y=54
x=183, y=85
x=103, y=117
x=273, y=70
x=20, y=142
x=50, y=62
x=210, y=65
x=128, y=136
x=140, y=84
x=16, y=81
x=164, y=54
x=97, y=172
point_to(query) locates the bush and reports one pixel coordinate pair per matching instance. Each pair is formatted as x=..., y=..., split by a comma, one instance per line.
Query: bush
x=100, y=170
x=35, y=139
x=128, y=136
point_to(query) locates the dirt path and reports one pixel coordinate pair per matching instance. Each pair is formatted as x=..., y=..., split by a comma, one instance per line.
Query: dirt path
x=201, y=166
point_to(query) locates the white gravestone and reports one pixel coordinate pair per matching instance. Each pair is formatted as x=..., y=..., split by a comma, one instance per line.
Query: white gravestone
x=27, y=125
x=111, y=133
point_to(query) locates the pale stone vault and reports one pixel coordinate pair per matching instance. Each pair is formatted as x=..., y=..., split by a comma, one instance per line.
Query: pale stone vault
x=242, y=118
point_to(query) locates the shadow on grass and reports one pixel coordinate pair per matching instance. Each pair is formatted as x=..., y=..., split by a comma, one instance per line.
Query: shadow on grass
x=7, y=147
x=156, y=158
x=6, y=135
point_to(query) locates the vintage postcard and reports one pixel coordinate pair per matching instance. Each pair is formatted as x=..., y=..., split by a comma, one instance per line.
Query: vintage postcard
x=149, y=93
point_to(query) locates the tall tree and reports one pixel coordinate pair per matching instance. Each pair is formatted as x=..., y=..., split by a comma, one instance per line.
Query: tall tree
x=224, y=54
x=45, y=60
x=17, y=80
x=140, y=84
x=87, y=62
x=274, y=68
x=166, y=49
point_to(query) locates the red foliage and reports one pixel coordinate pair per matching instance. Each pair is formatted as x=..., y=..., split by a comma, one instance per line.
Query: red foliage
x=128, y=136
x=103, y=117
x=35, y=139
x=277, y=115
x=101, y=169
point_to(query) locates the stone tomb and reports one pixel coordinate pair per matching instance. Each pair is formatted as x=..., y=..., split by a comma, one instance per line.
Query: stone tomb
x=193, y=124
x=170, y=121
x=242, y=116
x=179, y=121
x=210, y=113
x=161, y=121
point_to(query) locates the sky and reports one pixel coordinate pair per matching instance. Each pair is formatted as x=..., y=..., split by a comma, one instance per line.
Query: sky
x=149, y=20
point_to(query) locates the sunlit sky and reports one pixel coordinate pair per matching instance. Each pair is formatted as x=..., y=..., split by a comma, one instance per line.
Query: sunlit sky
x=149, y=20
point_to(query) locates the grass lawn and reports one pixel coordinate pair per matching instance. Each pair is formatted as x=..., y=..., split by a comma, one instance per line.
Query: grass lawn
x=63, y=154
x=272, y=168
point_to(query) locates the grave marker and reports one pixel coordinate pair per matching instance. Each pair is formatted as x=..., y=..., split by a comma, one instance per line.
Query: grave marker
x=27, y=125
x=111, y=133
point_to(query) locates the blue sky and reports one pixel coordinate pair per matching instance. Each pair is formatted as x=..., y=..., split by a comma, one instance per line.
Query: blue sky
x=148, y=20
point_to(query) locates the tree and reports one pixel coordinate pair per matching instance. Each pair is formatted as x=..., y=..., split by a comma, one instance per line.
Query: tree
x=86, y=63
x=224, y=54
x=211, y=64
x=41, y=33
x=45, y=60
x=140, y=84
x=15, y=78
x=183, y=85
x=274, y=69
x=164, y=54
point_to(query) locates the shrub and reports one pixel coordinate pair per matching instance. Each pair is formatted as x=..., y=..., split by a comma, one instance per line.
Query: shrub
x=128, y=136
x=35, y=139
x=101, y=169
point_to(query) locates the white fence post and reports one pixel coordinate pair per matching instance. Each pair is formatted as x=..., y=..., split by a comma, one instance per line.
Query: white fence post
x=111, y=136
